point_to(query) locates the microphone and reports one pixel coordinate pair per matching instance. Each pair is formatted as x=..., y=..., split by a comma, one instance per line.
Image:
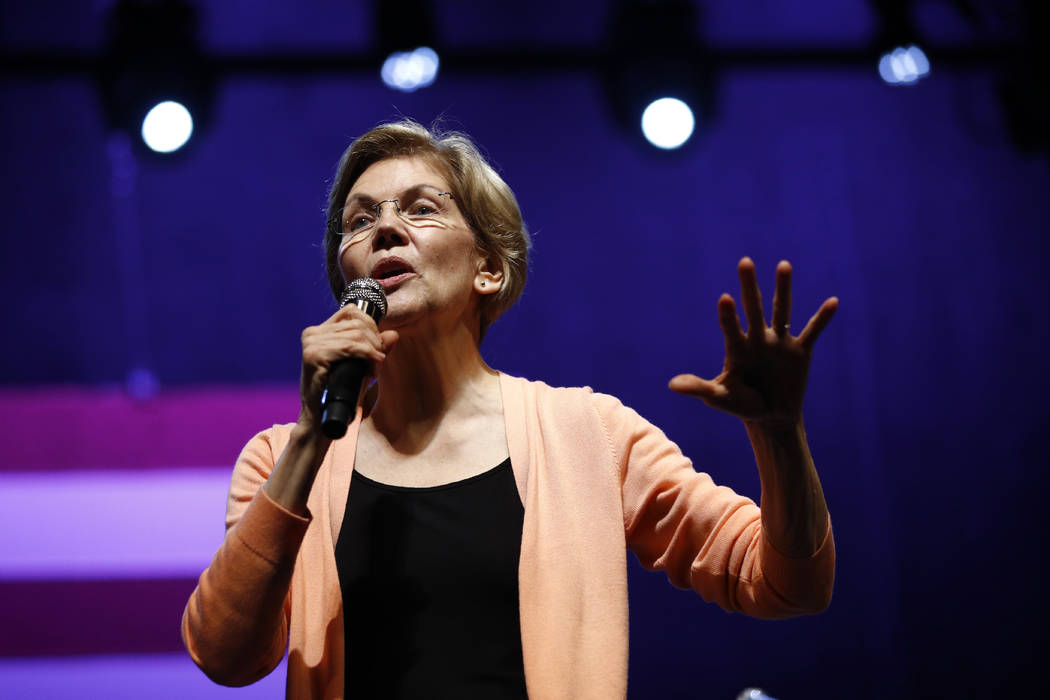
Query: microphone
x=339, y=400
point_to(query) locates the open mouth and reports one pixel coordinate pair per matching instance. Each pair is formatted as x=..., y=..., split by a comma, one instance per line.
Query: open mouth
x=391, y=270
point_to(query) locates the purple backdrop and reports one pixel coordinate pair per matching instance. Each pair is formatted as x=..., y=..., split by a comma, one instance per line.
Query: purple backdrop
x=926, y=407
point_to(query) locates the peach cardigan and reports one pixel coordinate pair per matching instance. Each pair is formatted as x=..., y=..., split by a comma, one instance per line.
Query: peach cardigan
x=595, y=479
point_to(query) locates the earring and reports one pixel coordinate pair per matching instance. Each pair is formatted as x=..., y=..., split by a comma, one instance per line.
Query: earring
x=482, y=284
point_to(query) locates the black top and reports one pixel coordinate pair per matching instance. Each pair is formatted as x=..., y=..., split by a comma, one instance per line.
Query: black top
x=429, y=578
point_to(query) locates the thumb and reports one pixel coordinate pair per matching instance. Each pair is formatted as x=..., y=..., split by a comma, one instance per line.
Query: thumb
x=389, y=339
x=692, y=385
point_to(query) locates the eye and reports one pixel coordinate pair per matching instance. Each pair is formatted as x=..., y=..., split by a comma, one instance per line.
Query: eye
x=422, y=208
x=356, y=221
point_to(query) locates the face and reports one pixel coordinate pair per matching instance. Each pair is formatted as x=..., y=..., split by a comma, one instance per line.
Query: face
x=424, y=258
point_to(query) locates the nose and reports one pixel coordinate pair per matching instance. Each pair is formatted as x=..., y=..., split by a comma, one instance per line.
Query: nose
x=379, y=208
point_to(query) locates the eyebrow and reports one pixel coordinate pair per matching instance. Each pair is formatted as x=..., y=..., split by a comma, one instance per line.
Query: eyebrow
x=354, y=199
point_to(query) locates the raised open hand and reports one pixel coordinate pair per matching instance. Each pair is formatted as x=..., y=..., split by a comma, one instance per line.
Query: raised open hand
x=764, y=376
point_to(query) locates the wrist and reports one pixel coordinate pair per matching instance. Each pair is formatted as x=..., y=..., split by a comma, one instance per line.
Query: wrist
x=778, y=430
x=307, y=433
x=781, y=451
x=291, y=481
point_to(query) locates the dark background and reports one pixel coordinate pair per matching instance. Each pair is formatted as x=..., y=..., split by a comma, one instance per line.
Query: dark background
x=917, y=206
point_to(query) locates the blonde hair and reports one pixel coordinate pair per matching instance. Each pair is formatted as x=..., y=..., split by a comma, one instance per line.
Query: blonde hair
x=487, y=203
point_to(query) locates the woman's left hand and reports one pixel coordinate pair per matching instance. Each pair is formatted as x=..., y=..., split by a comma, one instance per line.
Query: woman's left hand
x=763, y=380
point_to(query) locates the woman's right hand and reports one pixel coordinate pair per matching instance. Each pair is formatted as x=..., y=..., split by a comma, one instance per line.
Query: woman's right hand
x=349, y=332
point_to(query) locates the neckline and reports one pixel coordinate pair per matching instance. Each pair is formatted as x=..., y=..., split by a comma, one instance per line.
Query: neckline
x=502, y=466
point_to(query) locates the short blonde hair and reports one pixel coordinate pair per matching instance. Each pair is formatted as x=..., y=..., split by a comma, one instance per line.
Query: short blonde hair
x=487, y=203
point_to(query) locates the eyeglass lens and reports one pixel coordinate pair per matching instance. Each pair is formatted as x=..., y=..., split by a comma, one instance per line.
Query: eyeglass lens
x=416, y=206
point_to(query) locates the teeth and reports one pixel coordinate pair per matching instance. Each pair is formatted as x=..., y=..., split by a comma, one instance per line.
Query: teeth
x=385, y=270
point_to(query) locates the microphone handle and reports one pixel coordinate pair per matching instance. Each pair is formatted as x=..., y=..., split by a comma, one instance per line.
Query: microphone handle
x=339, y=400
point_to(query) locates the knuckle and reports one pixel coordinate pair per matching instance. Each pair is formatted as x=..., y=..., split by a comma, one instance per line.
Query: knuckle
x=351, y=311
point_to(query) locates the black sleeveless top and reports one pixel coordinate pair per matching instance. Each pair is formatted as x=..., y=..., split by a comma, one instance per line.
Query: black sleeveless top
x=429, y=578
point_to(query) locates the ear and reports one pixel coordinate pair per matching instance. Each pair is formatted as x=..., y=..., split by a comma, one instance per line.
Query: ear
x=488, y=279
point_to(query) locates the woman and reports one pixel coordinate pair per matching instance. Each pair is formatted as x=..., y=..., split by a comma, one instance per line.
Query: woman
x=481, y=551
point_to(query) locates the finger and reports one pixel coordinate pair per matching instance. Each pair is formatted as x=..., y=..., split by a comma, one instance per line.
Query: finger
x=818, y=323
x=351, y=333
x=351, y=325
x=751, y=298
x=692, y=385
x=389, y=339
x=340, y=314
x=782, y=299
x=350, y=311
x=325, y=351
x=730, y=322
x=346, y=337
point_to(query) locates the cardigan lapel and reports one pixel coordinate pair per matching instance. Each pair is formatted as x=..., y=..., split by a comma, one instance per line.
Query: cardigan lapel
x=339, y=464
x=513, y=400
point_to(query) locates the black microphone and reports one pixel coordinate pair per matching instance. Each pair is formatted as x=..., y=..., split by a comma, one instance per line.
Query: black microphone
x=339, y=400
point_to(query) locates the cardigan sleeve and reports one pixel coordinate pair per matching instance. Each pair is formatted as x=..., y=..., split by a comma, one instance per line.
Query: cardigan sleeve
x=235, y=625
x=704, y=536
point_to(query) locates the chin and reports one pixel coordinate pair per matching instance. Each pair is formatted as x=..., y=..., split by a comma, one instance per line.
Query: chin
x=398, y=315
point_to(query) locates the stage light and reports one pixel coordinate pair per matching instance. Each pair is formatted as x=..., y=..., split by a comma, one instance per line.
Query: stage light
x=668, y=123
x=658, y=77
x=904, y=65
x=901, y=61
x=408, y=71
x=167, y=127
x=405, y=31
x=754, y=694
x=152, y=58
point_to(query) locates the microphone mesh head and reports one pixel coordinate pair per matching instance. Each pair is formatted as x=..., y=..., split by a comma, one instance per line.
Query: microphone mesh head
x=366, y=289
